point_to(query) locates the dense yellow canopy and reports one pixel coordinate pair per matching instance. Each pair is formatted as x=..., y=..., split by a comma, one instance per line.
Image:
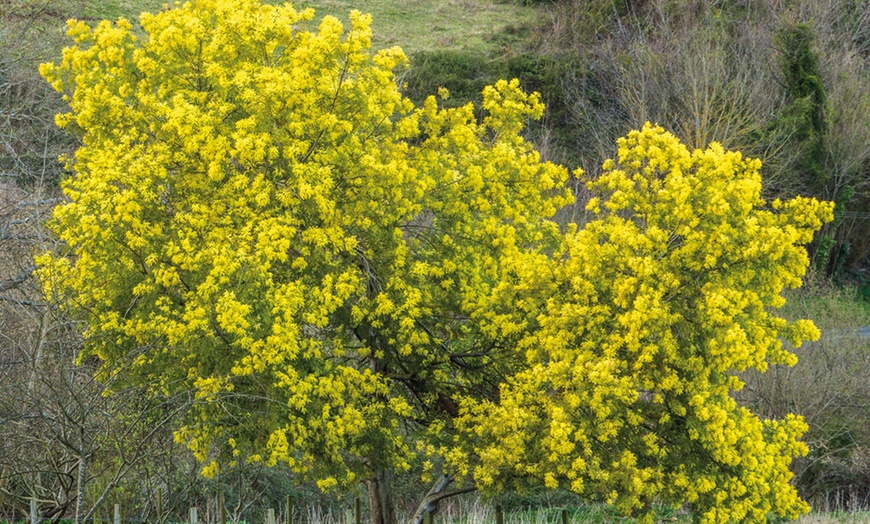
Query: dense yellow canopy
x=642, y=321
x=349, y=283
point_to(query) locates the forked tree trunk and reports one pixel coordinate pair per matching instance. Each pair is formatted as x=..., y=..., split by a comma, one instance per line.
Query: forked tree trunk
x=381, y=510
x=439, y=492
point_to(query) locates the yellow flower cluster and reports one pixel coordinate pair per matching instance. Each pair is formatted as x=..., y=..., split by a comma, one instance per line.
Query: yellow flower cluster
x=643, y=319
x=348, y=283
x=257, y=214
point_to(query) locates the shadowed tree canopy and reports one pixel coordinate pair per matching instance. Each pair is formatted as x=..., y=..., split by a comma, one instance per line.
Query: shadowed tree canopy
x=349, y=283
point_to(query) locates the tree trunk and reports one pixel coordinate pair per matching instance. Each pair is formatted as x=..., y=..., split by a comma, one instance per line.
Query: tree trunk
x=381, y=510
x=38, y=351
x=82, y=479
x=429, y=504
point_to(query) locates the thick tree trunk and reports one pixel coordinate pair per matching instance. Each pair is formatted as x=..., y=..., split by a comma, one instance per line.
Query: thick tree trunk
x=381, y=510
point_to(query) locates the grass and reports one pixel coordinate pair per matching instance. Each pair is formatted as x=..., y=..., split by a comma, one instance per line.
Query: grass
x=836, y=517
x=113, y=9
x=602, y=514
x=417, y=25
x=832, y=308
x=414, y=25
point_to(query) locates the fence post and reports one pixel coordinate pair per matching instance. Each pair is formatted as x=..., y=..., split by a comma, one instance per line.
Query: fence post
x=427, y=517
x=564, y=516
x=270, y=516
x=288, y=506
x=499, y=514
x=357, y=513
x=348, y=516
x=34, y=515
x=159, y=505
x=193, y=515
x=117, y=514
x=222, y=508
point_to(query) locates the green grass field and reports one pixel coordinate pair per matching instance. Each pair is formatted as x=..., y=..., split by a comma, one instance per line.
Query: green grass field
x=112, y=9
x=414, y=25
x=832, y=307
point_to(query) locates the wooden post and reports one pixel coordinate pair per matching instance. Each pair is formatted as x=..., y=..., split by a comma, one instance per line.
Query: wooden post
x=499, y=514
x=288, y=507
x=270, y=516
x=564, y=516
x=117, y=514
x=427, y=517
x=193, y=515
x=348, y=516
x=357, y=513
x=222, y=508
x=34, y=515
x=159, y=505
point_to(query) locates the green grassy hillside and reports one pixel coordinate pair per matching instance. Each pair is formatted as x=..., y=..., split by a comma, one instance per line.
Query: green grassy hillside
x=414, y=25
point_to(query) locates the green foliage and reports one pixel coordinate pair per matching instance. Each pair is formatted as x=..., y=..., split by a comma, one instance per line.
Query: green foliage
x=463, y=73
x=831, y=249
x=804, y=116
x=548, y=74
x=466, y=73
x=800, y=67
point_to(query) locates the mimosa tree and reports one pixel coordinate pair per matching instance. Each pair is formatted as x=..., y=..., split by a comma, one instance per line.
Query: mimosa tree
x=350, y=284
x=634, y=333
